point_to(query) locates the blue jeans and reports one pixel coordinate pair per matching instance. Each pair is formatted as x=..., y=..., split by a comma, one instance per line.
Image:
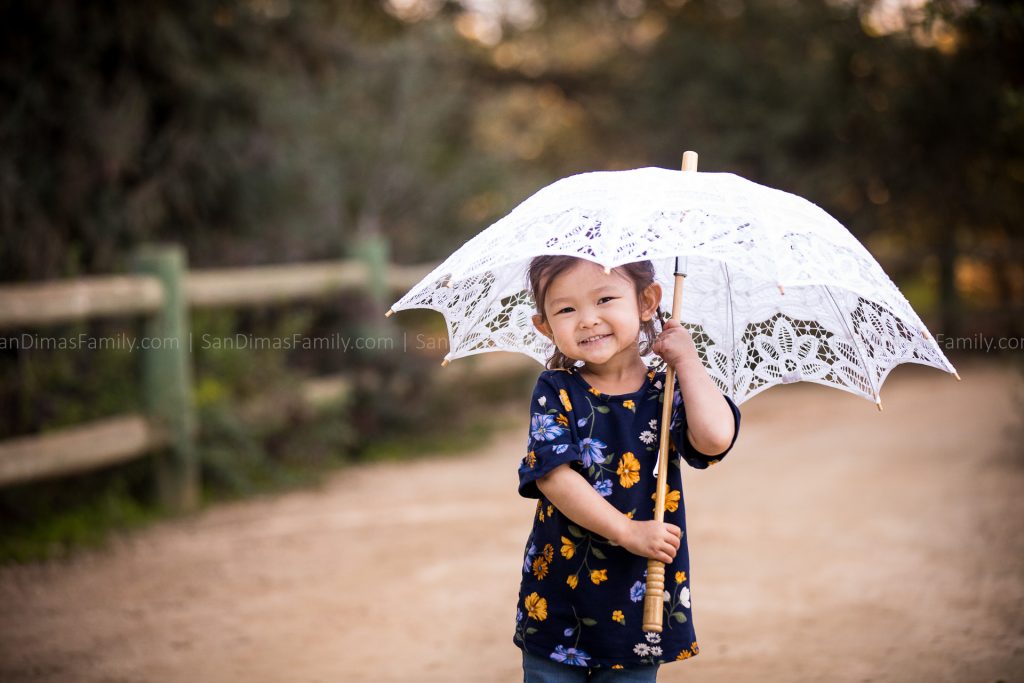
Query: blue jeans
x=543, y=670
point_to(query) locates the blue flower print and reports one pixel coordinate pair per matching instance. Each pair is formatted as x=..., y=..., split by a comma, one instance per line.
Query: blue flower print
x=677, y=399
x=591, y=451
x=582, y=422
x=544, y=428
x=604, y=487
x=530, y=554
x=570, y=656
x=561, y=448
x=637, y=592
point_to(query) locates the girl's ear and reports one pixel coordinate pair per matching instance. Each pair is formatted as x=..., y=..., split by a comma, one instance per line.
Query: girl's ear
x=649, y=300
x=542, y=326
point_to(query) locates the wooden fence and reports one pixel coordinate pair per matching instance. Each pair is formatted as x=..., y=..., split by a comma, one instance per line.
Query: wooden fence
x=164, y=290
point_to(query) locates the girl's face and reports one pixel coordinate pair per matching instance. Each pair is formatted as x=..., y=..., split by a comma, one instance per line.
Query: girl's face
x=594, y=317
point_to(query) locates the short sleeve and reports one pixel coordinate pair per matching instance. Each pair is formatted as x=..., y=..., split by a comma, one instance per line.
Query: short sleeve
x=550, y=442
x=691, y=455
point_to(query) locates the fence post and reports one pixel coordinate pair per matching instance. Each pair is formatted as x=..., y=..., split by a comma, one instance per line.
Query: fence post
x=373, y=251
x=167, y=377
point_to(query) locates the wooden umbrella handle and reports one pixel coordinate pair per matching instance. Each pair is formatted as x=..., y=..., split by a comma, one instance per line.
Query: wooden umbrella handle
x=654, y=594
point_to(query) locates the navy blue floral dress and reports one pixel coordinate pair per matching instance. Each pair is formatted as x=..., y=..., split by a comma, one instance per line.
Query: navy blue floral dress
x=581, y=597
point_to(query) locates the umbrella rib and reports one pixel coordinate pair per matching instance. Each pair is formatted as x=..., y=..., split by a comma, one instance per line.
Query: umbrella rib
x=855, y=339
x=732, y=329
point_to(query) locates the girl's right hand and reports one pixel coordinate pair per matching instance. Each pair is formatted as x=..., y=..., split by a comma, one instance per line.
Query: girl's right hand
x=652, y=539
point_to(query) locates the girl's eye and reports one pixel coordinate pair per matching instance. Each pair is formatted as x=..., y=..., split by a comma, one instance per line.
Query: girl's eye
x=567, y=309
x=606, y=298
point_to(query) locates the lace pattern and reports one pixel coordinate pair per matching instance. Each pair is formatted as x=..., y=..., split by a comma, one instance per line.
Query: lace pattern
x=777, y=291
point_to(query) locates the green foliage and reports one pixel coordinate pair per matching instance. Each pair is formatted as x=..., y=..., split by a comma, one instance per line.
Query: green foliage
x=50, y=519
x=63, y=375
x=249, y=132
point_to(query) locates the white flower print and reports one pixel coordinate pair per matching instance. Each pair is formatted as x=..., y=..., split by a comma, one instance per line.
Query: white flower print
x=653, y=637
x=647, y=437
x=653, y=424
x=657, y=385
x=655, y=651
x=543, y=401
x=642, y=649
x=684, y=597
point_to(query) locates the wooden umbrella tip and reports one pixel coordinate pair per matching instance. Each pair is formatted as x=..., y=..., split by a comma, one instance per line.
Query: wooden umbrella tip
x=689, y=160
x=390, y=313
x=444, y=363
x=957, y=375
x=782, y=290
x=878, y=404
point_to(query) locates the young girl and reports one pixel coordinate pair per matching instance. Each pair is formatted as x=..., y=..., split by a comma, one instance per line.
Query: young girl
x=591, y=460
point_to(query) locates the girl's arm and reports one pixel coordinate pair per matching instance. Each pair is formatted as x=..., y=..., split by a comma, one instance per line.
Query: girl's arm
x=709, y=419
x=576, y=499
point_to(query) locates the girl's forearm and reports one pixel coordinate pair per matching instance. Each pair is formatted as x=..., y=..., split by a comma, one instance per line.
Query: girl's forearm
x=709, y=418
x=576, y=499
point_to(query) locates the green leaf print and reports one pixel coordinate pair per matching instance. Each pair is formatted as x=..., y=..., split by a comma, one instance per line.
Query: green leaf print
x=575, y=531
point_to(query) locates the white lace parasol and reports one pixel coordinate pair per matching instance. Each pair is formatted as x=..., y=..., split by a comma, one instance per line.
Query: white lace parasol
x=777, y=291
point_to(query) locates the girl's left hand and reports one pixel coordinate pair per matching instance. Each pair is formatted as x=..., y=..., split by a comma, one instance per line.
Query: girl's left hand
x=675, y=344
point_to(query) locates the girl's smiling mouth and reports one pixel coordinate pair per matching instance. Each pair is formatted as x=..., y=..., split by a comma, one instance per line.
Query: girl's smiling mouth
x=594, y=339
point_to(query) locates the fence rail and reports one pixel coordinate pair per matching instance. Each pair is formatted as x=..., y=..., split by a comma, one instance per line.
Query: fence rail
x=163, y=290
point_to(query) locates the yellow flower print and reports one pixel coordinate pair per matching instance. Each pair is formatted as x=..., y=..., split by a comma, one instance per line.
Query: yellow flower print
x=568, y=548
x=536, y=607
x=629, y=470
x=531, y=459
x=562, y=420
x=551, y=511
x=594, y=391
x=650, y=375
x=549, y=552
x=629, y=515
x=694, y=648
x=573, y=581
x=680, y=577
x=598, y=575
x=684, y=654
x=540, y=567
x=629, y=404
x=618, y=616
x=565, y=400
x=540, y=511
x=671, y=500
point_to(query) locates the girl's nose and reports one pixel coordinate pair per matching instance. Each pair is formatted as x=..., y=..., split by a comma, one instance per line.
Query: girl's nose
x=589, y=319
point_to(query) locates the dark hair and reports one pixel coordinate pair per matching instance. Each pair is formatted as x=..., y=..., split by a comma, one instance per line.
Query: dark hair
x=543, y=271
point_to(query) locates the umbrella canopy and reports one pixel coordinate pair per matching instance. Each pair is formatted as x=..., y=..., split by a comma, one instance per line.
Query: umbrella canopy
x=777, y=291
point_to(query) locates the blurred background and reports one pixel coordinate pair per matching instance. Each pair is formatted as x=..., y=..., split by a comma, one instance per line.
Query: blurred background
x=244, y=147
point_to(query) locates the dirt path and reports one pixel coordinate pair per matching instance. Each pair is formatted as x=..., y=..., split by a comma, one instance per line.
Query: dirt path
x=835, y=543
